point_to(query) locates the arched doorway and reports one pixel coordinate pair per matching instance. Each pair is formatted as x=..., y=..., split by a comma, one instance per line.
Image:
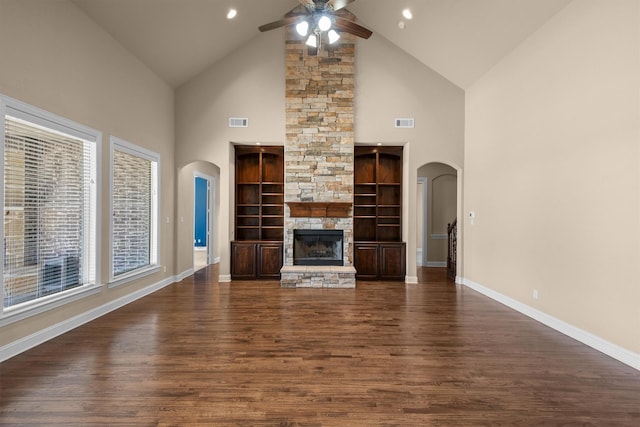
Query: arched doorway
x=197, y=213
x=437, y=205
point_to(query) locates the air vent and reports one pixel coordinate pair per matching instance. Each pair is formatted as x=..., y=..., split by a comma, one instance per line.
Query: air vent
x=405, y=123
x=238, y=122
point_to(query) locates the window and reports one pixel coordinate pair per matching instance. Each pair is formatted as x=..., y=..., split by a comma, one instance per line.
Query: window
x=134, y=210
x=49, y=198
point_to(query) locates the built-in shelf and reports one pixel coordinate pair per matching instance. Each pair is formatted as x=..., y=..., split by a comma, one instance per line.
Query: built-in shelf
x=379, y=252
x=256, y=252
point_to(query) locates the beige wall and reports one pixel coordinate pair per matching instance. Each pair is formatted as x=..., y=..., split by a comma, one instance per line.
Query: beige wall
x=248, y=83
x=55, y=58
x=251, y=83
x=552, y=171
x=419, y=215
x=390, y=84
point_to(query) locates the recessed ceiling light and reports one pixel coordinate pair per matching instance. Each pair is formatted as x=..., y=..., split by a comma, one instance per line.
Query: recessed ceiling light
x=401, y=24
x=232, y=13
x=407, y=14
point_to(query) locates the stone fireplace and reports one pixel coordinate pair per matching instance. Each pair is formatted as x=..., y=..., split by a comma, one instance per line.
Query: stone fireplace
x=319, y=154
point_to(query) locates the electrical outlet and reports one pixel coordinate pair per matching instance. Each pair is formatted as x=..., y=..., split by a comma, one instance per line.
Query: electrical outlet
x=535, y=294
x=164, y=268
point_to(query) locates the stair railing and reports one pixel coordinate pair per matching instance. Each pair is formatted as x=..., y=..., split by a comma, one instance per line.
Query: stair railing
x=452, y=252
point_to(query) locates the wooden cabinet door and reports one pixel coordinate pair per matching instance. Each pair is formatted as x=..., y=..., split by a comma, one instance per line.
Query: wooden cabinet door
x=243, y=261
x=392, y=261
x=366, y=261
x=269, y=260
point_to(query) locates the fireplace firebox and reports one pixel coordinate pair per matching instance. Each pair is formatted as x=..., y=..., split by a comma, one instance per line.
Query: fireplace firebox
x=318, y=247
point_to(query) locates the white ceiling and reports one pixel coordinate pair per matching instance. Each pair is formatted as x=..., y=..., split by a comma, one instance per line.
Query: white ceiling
x=460, y=39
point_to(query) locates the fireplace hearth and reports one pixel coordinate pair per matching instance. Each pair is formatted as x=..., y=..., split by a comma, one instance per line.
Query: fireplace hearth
x=318, y=247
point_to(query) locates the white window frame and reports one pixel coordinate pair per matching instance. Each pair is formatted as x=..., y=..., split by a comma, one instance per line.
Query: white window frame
x=50, y=121
x=153, y=266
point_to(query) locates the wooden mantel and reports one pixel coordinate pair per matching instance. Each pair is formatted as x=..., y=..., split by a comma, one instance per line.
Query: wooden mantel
x=319, y=209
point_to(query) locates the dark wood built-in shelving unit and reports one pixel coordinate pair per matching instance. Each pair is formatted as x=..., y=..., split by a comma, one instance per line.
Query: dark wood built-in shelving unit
x=256, y=252
x=377, y=213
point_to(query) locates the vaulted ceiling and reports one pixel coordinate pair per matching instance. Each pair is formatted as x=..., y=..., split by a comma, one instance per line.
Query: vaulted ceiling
x=460, y=39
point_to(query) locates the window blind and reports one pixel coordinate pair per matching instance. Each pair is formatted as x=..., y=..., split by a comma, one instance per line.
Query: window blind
x=48, y=206
x=132, y=203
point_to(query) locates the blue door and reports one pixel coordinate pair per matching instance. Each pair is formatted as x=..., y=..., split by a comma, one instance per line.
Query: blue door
x=200, y=221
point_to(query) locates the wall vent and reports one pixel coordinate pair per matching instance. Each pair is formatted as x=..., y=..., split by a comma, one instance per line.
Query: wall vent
x=405, y=123
x=238, y=122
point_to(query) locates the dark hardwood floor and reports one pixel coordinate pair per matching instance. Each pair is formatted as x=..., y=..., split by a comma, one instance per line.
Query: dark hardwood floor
x=201, y=352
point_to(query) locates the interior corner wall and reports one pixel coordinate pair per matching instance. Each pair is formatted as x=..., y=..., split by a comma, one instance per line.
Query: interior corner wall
x=56, y=58
x=552, y=171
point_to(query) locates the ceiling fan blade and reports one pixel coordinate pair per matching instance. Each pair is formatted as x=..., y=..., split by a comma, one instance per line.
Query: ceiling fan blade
x=339, y=4
x=351, y=27
x=297, y=11
x=277, y=24
x=309, y=4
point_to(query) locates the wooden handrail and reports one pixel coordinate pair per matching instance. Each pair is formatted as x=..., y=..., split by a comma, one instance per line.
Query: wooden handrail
x=452, y=251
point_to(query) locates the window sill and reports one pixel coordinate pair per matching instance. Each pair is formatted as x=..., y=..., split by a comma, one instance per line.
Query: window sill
x=133, y=275
x=32, y=308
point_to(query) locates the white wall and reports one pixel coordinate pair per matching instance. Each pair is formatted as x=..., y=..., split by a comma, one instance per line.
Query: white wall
x=552, y=171
x=55, y=58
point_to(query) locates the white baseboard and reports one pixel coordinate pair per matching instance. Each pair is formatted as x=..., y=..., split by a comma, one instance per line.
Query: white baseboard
x=216, y=260
x=185, y=274
x=437, y=264
x=619, y=353
x=23, y=344
x=224, y=278
x=412, y=280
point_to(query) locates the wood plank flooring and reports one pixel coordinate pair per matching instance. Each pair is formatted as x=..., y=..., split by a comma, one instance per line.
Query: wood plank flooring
x=205, y=353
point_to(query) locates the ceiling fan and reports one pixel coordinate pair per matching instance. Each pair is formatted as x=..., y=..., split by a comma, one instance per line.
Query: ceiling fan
x=313, y=18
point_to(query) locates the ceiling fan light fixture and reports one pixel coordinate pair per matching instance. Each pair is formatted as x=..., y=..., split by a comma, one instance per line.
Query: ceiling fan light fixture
x=302, y=28
x=324, y=23
x=312, y=41
x=333, y=36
